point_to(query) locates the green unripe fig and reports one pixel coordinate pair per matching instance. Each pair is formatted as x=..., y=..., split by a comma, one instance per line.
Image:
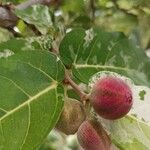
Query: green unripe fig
x=72, y=116
x=92, y=136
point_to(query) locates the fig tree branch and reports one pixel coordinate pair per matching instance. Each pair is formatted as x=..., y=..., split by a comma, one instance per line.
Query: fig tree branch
x=79, y=91
x=92, y=7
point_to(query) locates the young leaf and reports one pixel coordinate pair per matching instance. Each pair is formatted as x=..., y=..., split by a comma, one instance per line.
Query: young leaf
x=30, y=98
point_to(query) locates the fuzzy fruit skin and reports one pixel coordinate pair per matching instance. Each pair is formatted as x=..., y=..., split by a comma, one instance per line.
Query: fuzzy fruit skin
x=92, y=136
x=111, y=98
x=72, y=116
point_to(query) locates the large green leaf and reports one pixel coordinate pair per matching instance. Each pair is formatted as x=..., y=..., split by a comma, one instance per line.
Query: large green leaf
x=95, y=50
x=30, y=98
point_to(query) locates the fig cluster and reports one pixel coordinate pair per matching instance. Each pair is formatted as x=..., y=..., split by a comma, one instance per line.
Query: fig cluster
x=111, y=97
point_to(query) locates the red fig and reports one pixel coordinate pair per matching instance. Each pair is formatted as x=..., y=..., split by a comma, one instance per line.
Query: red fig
x=111, y=97
x=92, y=136
x=72, y=116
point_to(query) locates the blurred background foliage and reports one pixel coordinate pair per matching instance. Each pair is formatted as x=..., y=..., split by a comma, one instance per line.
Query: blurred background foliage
x=58, y=141
x=132, y=17
x=129, y=16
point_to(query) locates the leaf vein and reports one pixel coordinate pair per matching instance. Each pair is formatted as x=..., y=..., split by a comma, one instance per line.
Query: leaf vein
x=4, y=110
x=29, y=100
x=101, y=66
x=27, y=127
x=91, y=50
x=76, y=56
x=20, y=88
x=39, y=70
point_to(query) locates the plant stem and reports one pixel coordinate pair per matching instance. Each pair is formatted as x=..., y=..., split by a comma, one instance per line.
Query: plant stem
x=92, y=9
x=83, y=96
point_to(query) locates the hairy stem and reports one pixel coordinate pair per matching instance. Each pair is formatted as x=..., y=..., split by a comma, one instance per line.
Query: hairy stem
x=83, y=96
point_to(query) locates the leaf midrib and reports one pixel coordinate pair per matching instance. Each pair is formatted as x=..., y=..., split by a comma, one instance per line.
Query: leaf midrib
x=102, y=66
x=27, y=102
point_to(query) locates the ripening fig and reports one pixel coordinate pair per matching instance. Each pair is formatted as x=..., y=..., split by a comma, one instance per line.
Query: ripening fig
x=92, y=136
x=111, y=97
x=72, y=116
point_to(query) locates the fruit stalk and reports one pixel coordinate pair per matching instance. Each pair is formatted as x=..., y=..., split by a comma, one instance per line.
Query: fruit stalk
x=83, y=96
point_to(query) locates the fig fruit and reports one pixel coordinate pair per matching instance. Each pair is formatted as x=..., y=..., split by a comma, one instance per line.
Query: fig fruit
x=72, y=116
x=92, y=136
x=111, y=97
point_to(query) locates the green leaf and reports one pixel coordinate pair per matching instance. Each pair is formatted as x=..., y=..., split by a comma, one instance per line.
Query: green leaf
x=72, y=94
x=82, y=20
x=129, y=133
x=94, y=50
x=73, y=6
x=31, y=98
x=16, y=45
x=38, y=15
x=4, y=35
